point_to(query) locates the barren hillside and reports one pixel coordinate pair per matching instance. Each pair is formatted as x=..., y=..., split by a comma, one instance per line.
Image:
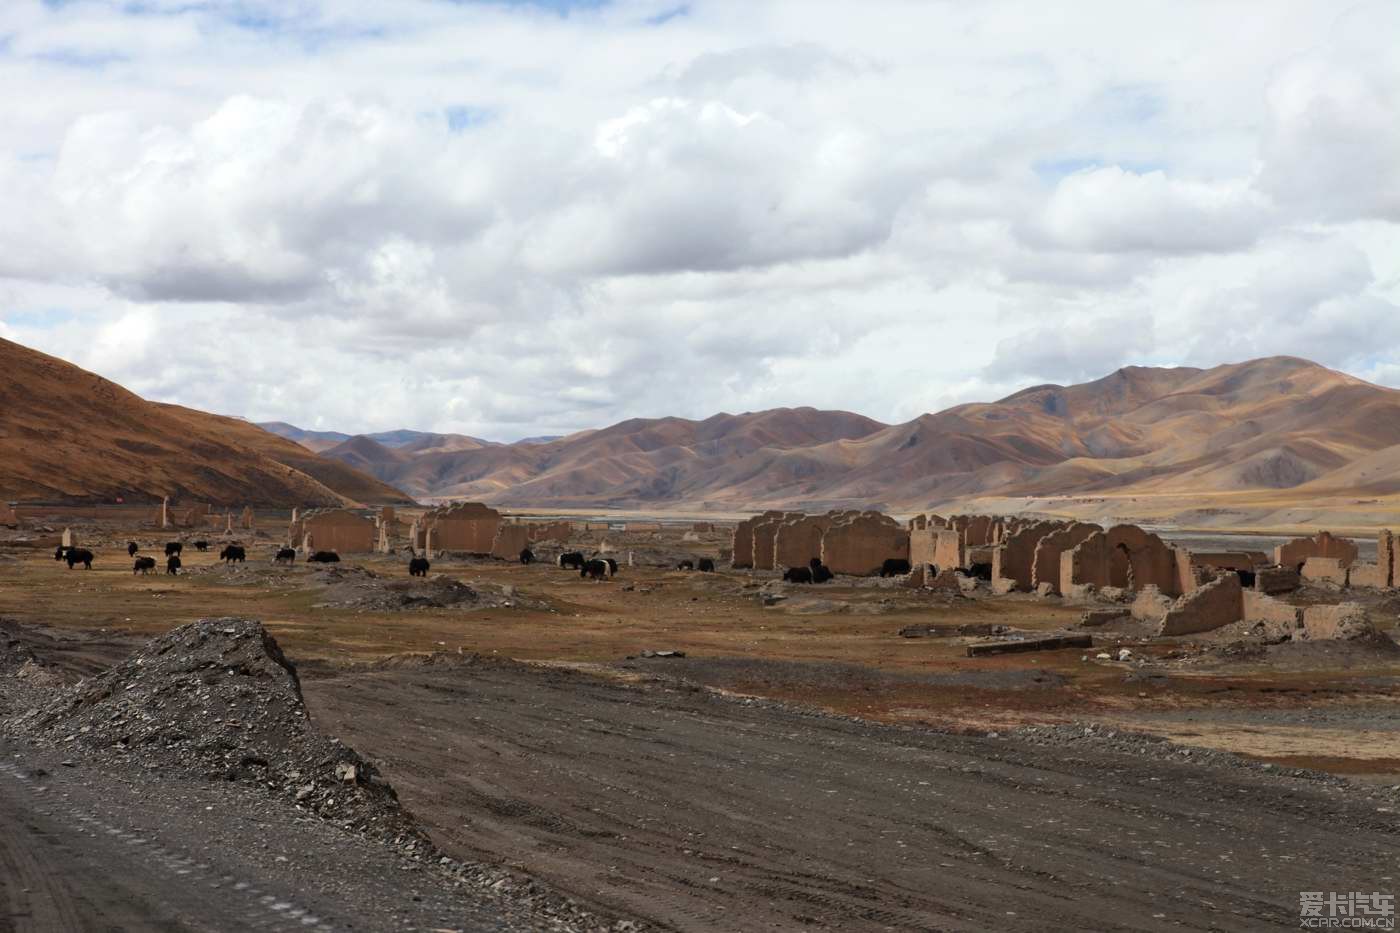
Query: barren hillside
x=68, y=433
x=1276, y=424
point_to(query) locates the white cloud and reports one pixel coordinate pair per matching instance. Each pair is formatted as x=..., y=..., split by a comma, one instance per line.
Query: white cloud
x=505, y=221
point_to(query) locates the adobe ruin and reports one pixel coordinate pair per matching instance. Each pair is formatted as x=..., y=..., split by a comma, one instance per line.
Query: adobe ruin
x=1296, y=552
x=859, y=544
x=339, y=530
x=468, y=527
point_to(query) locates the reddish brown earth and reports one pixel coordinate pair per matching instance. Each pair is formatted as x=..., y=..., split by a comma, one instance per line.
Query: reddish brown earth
x=70, y=434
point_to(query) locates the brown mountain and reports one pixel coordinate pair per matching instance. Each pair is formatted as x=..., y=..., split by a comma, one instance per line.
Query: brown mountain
x=1269, y=425
x=66, y=433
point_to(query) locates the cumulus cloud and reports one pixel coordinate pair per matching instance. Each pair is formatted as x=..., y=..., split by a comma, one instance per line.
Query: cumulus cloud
x=506, y=220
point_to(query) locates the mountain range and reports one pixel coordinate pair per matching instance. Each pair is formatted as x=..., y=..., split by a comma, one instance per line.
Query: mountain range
x=69, y=434
x=1272, y=424
x=1287, y=438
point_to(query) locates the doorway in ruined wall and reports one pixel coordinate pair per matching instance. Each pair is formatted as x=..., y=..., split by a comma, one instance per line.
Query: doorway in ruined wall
x=1120, y=567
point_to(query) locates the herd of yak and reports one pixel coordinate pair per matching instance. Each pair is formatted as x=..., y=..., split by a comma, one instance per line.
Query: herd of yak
x=594, y=568
x=231, y=554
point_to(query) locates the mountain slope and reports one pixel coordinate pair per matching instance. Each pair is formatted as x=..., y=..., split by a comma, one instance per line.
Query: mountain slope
x=1272, y=424
x=68, y=433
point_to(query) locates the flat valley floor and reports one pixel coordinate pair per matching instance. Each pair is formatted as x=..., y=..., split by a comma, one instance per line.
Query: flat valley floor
x=802, y=766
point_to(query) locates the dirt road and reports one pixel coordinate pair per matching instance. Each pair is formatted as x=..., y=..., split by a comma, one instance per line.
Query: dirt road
x=85, y=849
x=703, y=812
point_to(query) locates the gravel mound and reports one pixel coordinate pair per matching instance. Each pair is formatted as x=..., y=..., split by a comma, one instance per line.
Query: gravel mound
x=363, y=589
x=218, y=699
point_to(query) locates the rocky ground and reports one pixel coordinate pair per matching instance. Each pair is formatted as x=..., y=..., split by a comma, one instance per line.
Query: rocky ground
x=684, y=750
x=200, y=738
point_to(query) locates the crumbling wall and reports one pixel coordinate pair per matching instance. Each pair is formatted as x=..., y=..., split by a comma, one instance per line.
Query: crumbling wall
x=942, y=547
x=1365, y=574
x=1045, y=566
x=798, y=540
x=1013, y=561
x=1086, y=564
x=860, y=544
x=1385, y=557
x=765, y=540
x=464, y=526
x=1139, y=558
x=1323, y=544
x=1343, y=621
x=743, y=539
x=551, y=531
x=510, y=540
x=1278, y=615
x=1325, y=570
x=1218, y=603
x=338, y=530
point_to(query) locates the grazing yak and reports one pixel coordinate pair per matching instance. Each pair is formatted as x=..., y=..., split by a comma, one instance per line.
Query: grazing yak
x=595, y=569
x=201, y=545
x=418, y=567
x=324, y=557
x=573, y=559
x=685, y=565
x=527, y=556
x=894, y=567
x=79, y=555
x=172, y=564
x=821, y=573
x=285, y=555
x=173, y=547
x=707, y=565
x=131, y=549
x=233, y=553
x=798, y=575
x=143, y=565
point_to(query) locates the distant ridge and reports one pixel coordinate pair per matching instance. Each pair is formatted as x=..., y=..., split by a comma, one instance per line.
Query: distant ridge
x=1279, y=423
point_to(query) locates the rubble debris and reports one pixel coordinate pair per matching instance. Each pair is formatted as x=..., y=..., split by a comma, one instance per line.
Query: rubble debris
x=951, y=631
x=218, y=699
x=1048, y=643
x=1093, y=618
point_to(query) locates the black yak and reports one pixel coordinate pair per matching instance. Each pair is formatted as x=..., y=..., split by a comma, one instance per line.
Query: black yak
x=527, y=556
x=418, y=567
x=572, y=559
x=131, y=549
x=894, y=567
x=173, y=547
x=143, y=565
x=79, y=555
x=798, y=575
x=324, y=557
x=172, y=564
x=685, y=565
x=201, y=545
x=233, y=553
x=595, y=569
x=707, y=565
x=285, y=555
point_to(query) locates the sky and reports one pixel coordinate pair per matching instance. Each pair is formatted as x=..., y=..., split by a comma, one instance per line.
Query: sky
x=516, y=219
